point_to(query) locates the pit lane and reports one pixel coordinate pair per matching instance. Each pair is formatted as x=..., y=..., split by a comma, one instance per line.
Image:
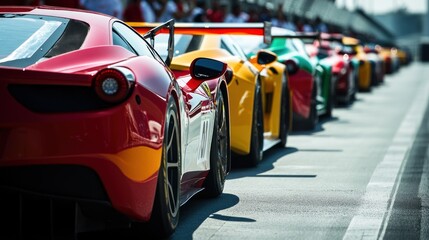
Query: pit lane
x=334, y=182
x=319, y=185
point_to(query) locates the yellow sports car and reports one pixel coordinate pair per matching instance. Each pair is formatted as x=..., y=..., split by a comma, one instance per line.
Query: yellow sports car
x=258, y=89
x=390, y=57
x=365, y=69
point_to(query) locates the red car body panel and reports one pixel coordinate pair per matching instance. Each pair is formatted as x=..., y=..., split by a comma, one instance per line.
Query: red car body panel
x=302, y=84
x=341, y=66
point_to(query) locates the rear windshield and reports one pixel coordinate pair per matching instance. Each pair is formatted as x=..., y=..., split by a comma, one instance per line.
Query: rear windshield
x=27, y=39
x=249, y=43
x=183, y=43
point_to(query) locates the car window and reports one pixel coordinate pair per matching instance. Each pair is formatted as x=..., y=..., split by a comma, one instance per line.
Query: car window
x=183, y=43
x=72, y=39
x=289, y=44
x=299, y=45
x=249, y=43
x=31, y=38
x=133, y=39
x=229, y=44
x=24, y=43
x=119, y=41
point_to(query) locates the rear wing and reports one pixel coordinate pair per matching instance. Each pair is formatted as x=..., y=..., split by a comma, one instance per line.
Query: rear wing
x=151, y=32
x=302, y=36
x=338, y=37
x=333, y=37
x=262, y=29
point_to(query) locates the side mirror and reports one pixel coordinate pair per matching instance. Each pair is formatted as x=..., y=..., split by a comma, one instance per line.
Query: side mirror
x=265, y=57
x=207, y=68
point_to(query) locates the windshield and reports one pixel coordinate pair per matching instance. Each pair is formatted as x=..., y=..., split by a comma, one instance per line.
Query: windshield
x=300, y=46
x=27, y=39
x=32, y=34
x=183, y=43
x=249, y=43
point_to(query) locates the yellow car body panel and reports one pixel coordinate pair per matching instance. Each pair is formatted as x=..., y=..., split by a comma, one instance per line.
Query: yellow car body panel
x=241, y=89
x=403, y=57
x=364, y=82
x=364, y=69
x=272, y=79
x=364, y=73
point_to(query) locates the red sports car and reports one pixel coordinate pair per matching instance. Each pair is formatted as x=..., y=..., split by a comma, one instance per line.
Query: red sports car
x=329, y=50
x=94, y=124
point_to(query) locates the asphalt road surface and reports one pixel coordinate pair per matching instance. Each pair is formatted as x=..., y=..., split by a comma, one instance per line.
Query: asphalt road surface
x=362, y=174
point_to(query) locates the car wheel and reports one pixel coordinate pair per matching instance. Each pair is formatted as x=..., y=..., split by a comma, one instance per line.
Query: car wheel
x=330, y=100
x=285, y=116
x=165, y=213
x=219, y=152
x=257, y=134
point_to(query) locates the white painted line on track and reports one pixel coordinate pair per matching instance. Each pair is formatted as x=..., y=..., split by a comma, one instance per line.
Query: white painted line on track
x=424, y=196
x=373, y=214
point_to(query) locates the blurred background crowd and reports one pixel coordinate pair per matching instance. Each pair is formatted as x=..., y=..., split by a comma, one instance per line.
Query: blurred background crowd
x=187, y=11
x=399, y=26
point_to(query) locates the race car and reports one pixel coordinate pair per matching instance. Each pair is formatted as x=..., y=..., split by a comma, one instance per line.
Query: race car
x=324, y=77
x=366, y=68
x=377, y=64
x=308, y=87
x=95, y=126
x=389, y=56
x=345, y=70
x=366, y=55
x=257, y=108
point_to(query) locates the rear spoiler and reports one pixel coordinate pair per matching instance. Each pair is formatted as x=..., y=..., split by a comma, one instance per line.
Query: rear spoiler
x=167, y=27
x=314, y=36
x=301, y=35
x=338, y=37
x=262, y=29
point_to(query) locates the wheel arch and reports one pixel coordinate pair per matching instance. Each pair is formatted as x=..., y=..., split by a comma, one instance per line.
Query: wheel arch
x=224, y=90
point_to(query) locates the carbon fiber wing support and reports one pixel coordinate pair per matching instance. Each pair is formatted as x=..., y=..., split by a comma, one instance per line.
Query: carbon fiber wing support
x=169, y=26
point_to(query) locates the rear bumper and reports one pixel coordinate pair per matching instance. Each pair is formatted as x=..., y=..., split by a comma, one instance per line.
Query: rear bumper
x=109, y=155
x=82, y=179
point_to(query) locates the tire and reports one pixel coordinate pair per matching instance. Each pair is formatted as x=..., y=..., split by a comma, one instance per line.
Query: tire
x=257, y=134
x=285, y=116
x=165, y=213
x=330, y=100
x=311, y=122
x=220, y=155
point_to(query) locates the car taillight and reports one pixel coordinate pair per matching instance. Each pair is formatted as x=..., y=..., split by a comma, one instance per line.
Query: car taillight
x=113, y=85
x=291, y=66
